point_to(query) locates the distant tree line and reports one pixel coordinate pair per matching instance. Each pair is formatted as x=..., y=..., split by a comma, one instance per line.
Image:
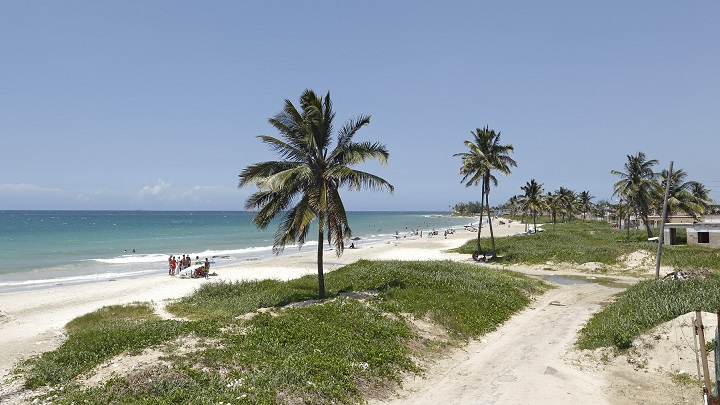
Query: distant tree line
x=468, y=208
x=640, y=190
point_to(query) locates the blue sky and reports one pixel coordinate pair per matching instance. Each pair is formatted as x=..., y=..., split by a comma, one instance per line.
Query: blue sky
x=157, y=104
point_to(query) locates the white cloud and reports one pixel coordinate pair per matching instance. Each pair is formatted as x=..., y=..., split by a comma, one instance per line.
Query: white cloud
x=26, y=187
x=155, y=190
x=84, y=198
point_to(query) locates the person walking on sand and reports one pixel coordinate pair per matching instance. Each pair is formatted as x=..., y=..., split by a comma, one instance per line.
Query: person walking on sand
x=170, y=266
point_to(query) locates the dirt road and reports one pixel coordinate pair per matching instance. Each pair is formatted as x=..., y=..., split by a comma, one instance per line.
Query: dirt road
x=524, y=362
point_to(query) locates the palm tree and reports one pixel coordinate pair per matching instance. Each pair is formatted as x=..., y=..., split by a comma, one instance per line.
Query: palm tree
x=552, y=203
x=585, y=202
x=601, y=209
x=514, y=203
x=702, y=196
x=305, y=184
x=637, y=185
x=486, y=154
x=533, y=199
x=679, y=198
x=623, y=211
x=689, y=197
x=566, y=199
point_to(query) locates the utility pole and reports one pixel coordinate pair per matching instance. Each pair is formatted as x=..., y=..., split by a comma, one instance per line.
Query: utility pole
x=662, y=222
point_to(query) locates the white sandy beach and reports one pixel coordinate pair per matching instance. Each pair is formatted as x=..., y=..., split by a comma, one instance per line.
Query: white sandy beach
x=530, y=359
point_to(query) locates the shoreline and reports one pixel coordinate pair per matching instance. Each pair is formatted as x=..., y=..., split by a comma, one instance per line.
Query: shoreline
x=32, y=322
x=97, y=264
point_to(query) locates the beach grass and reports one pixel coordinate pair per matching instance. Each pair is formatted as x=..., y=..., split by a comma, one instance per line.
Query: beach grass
x=246, y=345
x=645, y=305
x=639, y=308
x=574, y=242
x=589, y=241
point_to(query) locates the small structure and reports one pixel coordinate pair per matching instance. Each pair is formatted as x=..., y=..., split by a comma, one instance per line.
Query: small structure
x=654, y=220
x=706, y=234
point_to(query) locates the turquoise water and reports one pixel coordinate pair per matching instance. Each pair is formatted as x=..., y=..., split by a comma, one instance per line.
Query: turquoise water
x=42, y=249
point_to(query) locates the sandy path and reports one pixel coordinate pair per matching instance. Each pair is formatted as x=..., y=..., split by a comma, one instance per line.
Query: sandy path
x=523, y=362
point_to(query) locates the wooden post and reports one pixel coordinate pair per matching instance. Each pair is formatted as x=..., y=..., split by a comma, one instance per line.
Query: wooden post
x=703, y=350
x=662, y=223
x=717, y=358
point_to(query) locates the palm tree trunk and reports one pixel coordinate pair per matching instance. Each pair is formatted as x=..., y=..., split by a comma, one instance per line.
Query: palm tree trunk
x=627, y=225
x=492, y=236
x=321, y=275
x=479, y=249
x=647, y=226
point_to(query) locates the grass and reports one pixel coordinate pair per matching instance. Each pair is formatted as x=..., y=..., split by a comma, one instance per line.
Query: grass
x=575, y=242
x=589, y=241
x=330, y=352
x=645, y=305
x=99, y=336
x=642, y=306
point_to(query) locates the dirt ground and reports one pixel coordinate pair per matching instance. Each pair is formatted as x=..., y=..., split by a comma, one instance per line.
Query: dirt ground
x=531, y=359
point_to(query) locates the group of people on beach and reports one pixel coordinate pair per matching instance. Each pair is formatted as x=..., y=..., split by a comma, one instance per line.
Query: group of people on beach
x=176, y=266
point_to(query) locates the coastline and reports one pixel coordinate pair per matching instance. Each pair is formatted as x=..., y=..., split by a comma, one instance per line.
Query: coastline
x=530, y=358
x=56, y=248
x=32, y=322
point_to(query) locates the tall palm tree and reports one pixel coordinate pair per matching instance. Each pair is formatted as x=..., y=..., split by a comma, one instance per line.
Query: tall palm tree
x=637, y=185
x=533, y=199
x=485, y=155
x=305, y=185
x=585, y=202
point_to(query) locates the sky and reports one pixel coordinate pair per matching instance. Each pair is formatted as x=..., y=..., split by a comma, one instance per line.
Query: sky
x=157, y=105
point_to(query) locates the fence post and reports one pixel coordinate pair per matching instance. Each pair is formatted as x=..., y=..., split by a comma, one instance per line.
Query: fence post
x=661, y=236
x=717, y=355
x=703, y=352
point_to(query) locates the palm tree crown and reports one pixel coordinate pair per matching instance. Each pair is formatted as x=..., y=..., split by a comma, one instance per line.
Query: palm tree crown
x=689, y=197
x=304, y=186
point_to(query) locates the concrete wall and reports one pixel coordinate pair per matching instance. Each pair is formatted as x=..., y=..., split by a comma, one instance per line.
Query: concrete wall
x=714, y=238
x=692, y=236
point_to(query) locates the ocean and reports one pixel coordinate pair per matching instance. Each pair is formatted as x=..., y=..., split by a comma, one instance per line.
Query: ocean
x=43, y=249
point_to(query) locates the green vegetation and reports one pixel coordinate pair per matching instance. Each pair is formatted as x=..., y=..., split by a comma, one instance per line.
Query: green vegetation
x=574, y=242
x=467, y=209
x=231, y=351
x=642, y=306
x=646, y=305
x=592, y=241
